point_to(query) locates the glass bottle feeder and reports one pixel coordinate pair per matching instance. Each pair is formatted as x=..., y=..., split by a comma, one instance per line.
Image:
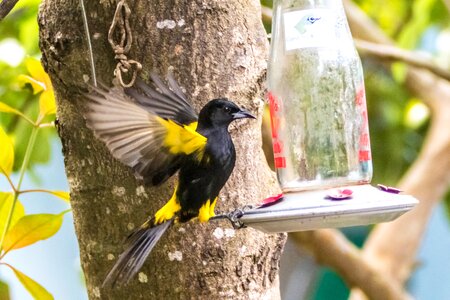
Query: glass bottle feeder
x=316, y=96
x=320, y=127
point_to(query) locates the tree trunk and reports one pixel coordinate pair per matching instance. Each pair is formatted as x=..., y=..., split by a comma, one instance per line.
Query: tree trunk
x=217, y=48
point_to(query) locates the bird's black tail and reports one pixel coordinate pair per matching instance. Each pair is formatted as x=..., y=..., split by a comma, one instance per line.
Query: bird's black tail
x=139, y=245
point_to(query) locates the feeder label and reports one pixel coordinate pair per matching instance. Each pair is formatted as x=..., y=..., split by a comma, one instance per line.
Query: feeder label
x=309, y=28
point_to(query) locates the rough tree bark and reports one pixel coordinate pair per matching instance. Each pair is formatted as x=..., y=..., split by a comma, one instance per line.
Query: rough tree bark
x=217, y=48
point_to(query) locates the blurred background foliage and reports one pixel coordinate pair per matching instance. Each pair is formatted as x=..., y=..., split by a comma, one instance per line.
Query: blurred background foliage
x=398, y=121
x=19, y=38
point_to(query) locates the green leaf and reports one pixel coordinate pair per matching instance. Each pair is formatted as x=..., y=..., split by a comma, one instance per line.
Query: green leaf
x=62, y=195
x=8, y=109
x=42, y=152
x=4, y=291
x=47, y=104
x=6, y=153
x=6, y=200
x=419, y=22
x=31, y=229
x=29, y=31
x=36, y=85
x=389, y=15
x=40, y=82
x=36, y=290
x=399, y=72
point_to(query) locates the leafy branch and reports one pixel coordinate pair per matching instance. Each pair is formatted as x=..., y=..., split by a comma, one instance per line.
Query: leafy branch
x=18, y=230
x=6, y=6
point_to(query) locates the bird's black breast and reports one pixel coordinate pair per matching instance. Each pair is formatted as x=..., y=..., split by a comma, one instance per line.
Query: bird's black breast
x=202, y=180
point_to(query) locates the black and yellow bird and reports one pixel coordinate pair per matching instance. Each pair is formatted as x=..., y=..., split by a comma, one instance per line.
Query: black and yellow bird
x=156, y=132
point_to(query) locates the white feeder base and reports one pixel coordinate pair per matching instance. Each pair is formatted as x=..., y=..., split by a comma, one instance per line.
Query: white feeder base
x=310, y=210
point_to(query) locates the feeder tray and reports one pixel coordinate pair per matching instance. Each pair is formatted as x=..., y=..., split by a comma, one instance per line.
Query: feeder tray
x=308, y=210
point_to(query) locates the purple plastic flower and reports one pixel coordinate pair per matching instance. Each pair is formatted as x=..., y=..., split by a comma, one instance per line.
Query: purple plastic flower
x=389, y=189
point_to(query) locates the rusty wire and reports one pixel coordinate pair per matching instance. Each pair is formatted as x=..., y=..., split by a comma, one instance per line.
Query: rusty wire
x=122, y=47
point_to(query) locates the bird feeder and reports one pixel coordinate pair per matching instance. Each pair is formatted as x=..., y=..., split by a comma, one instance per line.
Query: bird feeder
x=320, y=130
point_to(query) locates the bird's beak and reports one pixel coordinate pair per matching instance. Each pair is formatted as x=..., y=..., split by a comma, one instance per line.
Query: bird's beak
x=243, y=114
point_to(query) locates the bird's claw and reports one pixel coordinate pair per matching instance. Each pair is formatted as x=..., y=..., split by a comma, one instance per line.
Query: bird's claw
x=234, y=217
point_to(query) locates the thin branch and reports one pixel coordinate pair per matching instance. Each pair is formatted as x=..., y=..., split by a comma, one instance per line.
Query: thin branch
x=391, y=248
x=419, y=82
x=6, y=6
x=388, y=52
x=331, y=248
x=447, y=4
x=266, y=14
x=26, y=159
x=8, y=179
x=27, y=119
x=34, y=191
x=44, y=125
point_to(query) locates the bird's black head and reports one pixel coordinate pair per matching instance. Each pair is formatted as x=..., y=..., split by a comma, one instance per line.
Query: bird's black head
x=221, y=112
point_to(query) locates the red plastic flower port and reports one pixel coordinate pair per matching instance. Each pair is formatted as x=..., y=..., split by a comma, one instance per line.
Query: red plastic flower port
x=271, y=200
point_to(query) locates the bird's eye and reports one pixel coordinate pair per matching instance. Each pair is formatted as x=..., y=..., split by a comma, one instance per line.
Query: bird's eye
x=227, y=109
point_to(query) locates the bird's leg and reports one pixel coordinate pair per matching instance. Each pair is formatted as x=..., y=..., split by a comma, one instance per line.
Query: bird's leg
x=167, y=212
x=203, y=213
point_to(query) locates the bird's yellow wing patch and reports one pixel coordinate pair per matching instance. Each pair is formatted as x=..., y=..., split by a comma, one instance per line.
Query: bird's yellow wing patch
x=152, y=145
x=182, y=139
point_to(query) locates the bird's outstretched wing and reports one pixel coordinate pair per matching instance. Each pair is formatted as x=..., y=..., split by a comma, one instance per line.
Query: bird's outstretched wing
x=169, y=103
x=152, y=132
